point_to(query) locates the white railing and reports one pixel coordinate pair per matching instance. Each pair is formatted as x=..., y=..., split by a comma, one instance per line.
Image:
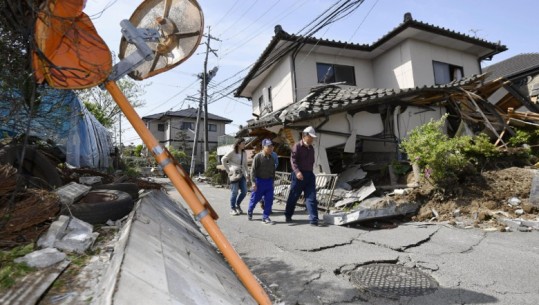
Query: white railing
x=325, y=185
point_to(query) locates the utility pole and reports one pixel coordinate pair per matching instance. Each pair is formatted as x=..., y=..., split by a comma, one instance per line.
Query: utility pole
x=195, y=142
x=206, y=78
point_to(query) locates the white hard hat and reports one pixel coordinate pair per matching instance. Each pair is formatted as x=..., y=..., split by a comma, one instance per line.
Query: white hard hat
x=310, y=130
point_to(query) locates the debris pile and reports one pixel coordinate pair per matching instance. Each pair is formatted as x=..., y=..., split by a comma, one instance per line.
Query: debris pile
x=25, y=213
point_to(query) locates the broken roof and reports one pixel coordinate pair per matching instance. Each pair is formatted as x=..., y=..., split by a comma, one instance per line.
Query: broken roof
x=513, y=67
x=409, y=28
x=185, y=113
x=330, y=99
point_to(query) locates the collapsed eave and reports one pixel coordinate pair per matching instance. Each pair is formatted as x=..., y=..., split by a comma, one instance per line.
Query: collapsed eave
x=326, y=100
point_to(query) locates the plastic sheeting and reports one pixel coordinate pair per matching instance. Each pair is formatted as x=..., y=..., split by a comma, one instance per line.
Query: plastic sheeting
x=61, y=118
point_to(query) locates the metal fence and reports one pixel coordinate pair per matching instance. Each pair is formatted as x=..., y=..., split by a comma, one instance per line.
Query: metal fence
x=325, y=185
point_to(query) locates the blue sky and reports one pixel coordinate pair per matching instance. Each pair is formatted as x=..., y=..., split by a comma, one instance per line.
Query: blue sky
x=245, y=28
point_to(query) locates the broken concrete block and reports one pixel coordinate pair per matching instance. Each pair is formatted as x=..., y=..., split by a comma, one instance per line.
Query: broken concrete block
x=512, y=224
x=56, y=231
x=42, y=258
x=76, y=242
x=344, y=202
x=514, y=201
x=534, y=191
x=72, y=192
x=375, y=210
x=531, y=224
x=357, y=196
x=91, y=180
x=77, y=225
x=78, y=235
x=352, y=173
x=524, y=229
x=344, y=186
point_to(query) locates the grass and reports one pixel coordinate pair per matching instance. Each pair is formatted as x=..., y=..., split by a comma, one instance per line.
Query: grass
x=11, y=271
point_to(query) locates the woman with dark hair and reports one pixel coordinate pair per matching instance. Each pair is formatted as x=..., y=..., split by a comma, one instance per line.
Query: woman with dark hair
x=235, y=164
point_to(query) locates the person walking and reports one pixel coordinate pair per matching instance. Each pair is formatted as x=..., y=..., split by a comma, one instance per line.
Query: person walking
x=235, y=164
x=276, y=159
x=303, y=179
x=262, y=175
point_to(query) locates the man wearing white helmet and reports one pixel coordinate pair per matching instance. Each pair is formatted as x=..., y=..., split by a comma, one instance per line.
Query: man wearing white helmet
x=303, y=179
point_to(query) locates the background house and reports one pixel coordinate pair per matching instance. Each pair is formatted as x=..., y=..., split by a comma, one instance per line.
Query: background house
x=177, y=129
x=412, y=56
x=520, y=77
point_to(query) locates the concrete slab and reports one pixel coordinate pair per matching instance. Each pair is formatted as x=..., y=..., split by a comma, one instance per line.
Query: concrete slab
x=168, y=260
x=31, y=288
x=72, y=192
x=534, y=191
x=371, y=209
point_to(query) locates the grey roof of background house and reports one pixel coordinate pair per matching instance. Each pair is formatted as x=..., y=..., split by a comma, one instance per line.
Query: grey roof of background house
x=513, y=67
x=330, y=99
x=185, y=113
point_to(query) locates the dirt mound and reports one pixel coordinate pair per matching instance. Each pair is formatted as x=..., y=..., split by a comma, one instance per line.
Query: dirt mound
x=478, y=199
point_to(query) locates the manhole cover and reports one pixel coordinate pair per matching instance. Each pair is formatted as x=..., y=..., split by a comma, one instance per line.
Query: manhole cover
x=393, y=281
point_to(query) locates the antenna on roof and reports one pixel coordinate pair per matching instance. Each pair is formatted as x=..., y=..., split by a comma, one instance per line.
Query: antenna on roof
x=474, y=31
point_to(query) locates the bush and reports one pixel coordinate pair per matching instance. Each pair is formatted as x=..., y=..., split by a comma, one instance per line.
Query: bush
x=480, y=151
x=181, y=156
x=216, y=176
x=440, y=158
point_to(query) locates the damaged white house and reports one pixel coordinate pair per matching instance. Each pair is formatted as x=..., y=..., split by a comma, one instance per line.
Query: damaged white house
x=299, y=81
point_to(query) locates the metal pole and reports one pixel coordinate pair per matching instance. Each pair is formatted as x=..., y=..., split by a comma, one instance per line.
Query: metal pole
x=189, y=192
x=195, y=142
x=205, y=94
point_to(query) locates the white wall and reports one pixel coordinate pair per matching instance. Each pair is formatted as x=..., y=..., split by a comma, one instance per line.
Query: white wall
x=280, y=81
x=409, y=64
x=423, y=54
x=393, y=69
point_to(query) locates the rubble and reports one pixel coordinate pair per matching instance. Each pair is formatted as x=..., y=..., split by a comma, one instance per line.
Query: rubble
x=42, y=258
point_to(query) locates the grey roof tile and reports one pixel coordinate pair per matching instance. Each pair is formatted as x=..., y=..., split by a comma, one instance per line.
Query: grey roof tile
x=184, y=113
x=329, y=99
x=513, y=66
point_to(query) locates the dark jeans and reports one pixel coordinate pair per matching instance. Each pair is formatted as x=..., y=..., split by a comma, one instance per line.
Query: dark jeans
x=308, y=187
x=264, y=188
x=241, y=185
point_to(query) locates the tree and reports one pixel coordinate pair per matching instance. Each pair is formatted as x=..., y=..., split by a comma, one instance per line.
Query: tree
x=16, y=26
x=182, y=139
x=101, y=104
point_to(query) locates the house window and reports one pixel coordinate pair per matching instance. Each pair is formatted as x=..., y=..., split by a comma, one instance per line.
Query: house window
x=212, y=127
x=331, y=73
x=445, y=73
x=187, y=125
x=261, y=102
x=160, y=127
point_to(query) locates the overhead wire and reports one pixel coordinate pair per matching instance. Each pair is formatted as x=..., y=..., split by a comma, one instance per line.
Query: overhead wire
x=255, y=19
x=239, y=18
x=264, y=27
x=228, y=12
x=282, y=50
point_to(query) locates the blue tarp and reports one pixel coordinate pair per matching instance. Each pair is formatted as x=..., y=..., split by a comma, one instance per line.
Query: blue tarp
x=62, y=118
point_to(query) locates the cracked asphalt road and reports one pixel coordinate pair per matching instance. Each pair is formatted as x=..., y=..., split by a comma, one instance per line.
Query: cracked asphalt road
x=301, y=264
